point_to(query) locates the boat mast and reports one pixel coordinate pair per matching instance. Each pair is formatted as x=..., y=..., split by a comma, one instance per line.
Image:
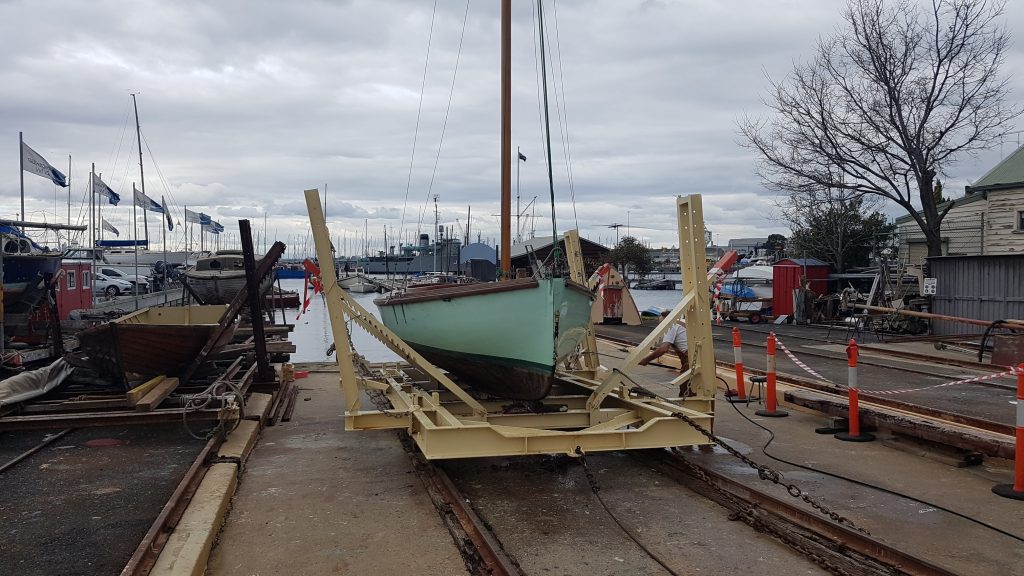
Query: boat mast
x=142, y=177
x=547, y=120
x=506, y=138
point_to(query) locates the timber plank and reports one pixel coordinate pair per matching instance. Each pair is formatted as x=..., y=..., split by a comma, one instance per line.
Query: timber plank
x=137, y=393
x=154, y=397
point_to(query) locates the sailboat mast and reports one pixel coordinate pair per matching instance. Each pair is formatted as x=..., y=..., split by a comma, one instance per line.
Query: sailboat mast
x=547, y=120
x=142, y=176
x=506, y=138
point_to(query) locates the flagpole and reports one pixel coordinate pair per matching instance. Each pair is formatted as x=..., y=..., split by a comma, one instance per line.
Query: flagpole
x=163, y=228
x=92, y=230
x=99, y=212
x=69, y=198
x=21, y=173
x=135, y=237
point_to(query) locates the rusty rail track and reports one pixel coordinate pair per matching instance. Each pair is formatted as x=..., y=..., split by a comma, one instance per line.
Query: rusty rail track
x=148, y=550
x=835, y=547
x=480, y=549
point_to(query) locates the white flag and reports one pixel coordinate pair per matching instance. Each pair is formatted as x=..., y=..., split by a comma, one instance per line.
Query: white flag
x=147, y=203
x=109, y=227
x=36, y=164
x=99, y=187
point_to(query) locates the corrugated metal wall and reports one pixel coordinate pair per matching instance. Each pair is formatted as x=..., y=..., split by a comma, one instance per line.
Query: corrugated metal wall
x=980, y=287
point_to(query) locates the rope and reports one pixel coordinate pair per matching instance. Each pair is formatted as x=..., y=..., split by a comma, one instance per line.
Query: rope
x=416, y=133
x=444, y=124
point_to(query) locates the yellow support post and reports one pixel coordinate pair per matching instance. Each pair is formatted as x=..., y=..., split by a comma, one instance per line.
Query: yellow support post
x=695, y=304
x=578, y=274
x=335, y=309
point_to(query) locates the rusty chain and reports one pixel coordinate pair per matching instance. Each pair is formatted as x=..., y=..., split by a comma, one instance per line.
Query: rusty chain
x=764, y=471
x=748, y=514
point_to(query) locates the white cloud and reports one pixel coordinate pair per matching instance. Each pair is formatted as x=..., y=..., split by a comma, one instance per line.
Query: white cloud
x=245, y=105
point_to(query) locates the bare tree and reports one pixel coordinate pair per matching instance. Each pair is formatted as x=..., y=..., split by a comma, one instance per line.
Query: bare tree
x=836, y=226
x=887, y=103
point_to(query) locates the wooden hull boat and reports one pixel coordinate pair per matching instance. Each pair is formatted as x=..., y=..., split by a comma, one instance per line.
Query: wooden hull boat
x=503, y=338
x=153, y=341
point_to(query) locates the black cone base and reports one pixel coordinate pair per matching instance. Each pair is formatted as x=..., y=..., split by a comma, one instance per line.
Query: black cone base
x=862, y=437
x=1006, y=491
x=775, y=414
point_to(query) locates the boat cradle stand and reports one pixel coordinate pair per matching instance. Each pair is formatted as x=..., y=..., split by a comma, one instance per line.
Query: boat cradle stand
x=598, y=411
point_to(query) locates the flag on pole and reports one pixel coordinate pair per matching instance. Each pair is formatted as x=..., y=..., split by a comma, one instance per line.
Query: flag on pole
x=522, y=157
x=109, y=227
x=197, y=217
x=36, y=164
x=213, y=227
x=99, y=187
x=147, y=203
x=167, y=213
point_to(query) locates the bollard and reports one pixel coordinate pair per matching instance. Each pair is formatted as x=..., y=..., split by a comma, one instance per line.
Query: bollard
x=737, y=352
x=853, y=434
x=1016, y=490
x=772, y=402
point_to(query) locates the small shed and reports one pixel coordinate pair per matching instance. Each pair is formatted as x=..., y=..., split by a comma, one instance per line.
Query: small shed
x=786, y=276
x=74, y=291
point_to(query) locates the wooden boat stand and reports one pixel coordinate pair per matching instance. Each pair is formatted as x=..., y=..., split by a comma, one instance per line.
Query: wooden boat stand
x=591, y=409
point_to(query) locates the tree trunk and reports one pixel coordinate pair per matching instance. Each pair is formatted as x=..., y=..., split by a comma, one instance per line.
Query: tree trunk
x=932, y=227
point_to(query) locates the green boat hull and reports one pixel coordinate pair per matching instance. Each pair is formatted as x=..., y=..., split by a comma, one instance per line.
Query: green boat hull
x=502, y=338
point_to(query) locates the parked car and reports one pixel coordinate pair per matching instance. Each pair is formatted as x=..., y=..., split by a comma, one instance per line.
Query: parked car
x=110, y=287
x=142, y=281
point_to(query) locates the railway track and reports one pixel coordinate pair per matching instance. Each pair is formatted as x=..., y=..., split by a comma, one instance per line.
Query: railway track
x=836, y=547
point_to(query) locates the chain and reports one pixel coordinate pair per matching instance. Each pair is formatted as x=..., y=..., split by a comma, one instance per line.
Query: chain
x=764, y=471
x=383, y=405
x=748, y=513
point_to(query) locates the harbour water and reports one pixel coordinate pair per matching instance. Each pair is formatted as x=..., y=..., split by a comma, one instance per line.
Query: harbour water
x=312, y=335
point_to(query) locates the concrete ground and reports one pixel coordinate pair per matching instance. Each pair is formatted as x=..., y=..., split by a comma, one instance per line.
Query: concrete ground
x=317, y=499
x=314, y=499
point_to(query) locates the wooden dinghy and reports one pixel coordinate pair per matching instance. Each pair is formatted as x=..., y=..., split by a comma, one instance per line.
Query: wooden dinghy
x=154, y=341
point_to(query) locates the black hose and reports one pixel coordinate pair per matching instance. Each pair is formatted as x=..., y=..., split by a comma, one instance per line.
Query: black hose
x=985, y=335
x=771, y=438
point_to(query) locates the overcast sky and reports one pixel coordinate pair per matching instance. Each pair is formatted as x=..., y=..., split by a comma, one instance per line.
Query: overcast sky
x=245, y=104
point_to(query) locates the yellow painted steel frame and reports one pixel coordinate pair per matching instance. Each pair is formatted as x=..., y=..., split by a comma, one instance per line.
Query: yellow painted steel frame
x=446, y=422
x=574, y=254
x=695, y=304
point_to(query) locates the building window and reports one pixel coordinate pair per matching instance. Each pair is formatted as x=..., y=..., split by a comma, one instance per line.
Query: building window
x=71, y=280
x=1020, y=220
x=85, y=279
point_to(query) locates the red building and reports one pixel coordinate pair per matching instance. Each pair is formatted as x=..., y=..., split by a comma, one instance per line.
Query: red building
x=74, y=291
x=787, y=275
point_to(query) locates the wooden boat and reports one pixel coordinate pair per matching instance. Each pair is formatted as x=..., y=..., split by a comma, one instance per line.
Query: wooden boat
x=153, y=341
x=505, y=338
x=219, y=277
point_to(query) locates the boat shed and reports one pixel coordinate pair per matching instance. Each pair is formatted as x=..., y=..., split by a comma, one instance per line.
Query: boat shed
x=788, y=275
x=594, y=254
